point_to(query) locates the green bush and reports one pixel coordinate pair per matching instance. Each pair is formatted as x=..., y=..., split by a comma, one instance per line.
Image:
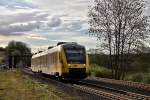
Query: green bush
x=99, y=71
x=147, y=78
x=139, y=77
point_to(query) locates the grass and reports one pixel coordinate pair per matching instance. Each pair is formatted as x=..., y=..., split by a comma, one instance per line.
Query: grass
x=139, y=77
x=100, y=71
x=104, y=72
x=143, y=77
x=16, y=86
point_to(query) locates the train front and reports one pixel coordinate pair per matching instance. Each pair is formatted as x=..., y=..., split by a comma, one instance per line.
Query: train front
x=76, y=58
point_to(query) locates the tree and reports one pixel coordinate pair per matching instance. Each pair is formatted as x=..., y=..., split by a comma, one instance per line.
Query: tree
x=17, y=52
x=17, y=48
x=2, y=49
x=121, y=27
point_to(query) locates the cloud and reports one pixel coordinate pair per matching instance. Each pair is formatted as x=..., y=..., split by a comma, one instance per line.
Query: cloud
x=54, y=22
x=45, y=23
x=70, y=26
x=16, y=4
x=62, y=21
x=18, y=23
x=71, y=8
x=147, y=8
x=11, y=30
x=5, y=39
x=35, y=36
x=23, y=17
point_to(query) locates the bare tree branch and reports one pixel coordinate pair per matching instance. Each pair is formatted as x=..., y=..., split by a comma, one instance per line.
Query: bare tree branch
x=121, y=25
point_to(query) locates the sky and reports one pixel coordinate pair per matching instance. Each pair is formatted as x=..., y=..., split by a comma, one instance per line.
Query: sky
x=43, y=23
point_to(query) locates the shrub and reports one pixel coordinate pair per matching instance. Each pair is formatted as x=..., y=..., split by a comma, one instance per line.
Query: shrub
x=139, y=77
x=147, y=78
x=100, y=71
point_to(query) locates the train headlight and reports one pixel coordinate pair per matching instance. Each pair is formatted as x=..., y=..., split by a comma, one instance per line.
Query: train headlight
x=69, y=65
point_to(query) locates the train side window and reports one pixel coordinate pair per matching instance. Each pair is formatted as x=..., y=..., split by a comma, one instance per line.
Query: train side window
x=50, y=59
x=46, y=60
x=60, y=58
x=55, y=58
x=50, y=56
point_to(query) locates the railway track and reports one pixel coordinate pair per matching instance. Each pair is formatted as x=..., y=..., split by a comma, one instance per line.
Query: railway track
x=124, y=83
x=121, y=93
x=100, y=93
x=88, y=91
x=136, y=87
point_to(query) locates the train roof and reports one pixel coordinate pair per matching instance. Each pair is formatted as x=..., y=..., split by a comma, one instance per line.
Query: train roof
x=54, y=49
x=58, y=48
x=60, y=43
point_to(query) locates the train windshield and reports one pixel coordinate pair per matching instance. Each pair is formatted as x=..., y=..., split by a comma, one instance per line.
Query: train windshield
x=75, y=56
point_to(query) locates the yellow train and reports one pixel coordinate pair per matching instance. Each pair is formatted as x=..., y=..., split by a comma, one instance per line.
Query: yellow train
x=66, y=61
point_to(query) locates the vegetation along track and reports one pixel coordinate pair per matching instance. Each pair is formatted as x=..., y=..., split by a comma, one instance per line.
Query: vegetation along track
x=81, y=91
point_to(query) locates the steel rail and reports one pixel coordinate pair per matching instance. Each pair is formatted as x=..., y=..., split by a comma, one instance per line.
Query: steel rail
x=143, y=86
x=116, y=91
x=106, y=95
